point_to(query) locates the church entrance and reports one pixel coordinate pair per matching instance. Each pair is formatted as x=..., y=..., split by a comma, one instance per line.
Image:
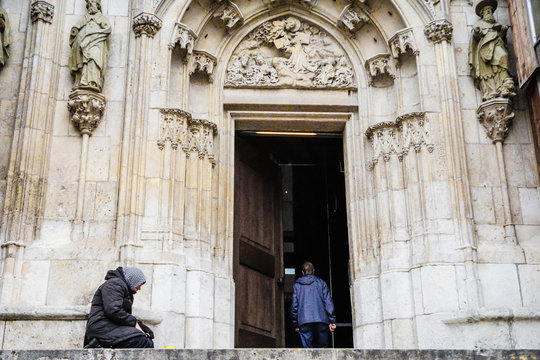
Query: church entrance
x=289, y=208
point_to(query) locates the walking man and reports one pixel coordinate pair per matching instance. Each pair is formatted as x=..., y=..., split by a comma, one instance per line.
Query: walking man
x=312, y=309
x=110, y=323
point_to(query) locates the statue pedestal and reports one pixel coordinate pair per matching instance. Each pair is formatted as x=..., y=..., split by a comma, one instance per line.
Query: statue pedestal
x=87, y=108
x=496, y=116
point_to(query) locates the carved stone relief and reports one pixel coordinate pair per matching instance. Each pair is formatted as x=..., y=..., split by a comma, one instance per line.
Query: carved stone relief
x=184, y=38
x=289, y=53
x=42, y=10
x=87, y=108
x=380, y=70
x=194, y=136
x=352, y=19
x=145, y=23
x=403, y=42
x=228, y=16
x=439, y=31
x=409, y=131
x=5, y=37
x=496, y=116
x=201, y=61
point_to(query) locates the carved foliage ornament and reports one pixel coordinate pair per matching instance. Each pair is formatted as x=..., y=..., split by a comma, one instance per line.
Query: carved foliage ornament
x=87, y=108
x=229, y=16
x=147, y=24
x=439, y=31
x=409, y=131
x=352, y=19
x=42, y=10
x=184, y=38
x=496, y=116
x=289, y=53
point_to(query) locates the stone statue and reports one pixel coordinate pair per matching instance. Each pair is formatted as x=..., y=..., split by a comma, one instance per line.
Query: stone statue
x=488, y=55
x=5, y=37
x=89, y=42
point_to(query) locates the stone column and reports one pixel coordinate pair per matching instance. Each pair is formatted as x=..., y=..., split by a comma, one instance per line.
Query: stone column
x=28, y=166
x=133, y=158
x=440, y=33
x=197, y=234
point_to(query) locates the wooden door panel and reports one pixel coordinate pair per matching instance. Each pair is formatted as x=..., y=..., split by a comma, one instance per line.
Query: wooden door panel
x=258, y=257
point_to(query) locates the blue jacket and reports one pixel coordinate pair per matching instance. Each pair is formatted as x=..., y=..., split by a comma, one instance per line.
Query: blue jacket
x=311, y=302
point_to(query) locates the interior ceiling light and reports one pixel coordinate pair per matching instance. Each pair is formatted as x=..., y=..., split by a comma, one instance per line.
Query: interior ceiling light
x=285, y=133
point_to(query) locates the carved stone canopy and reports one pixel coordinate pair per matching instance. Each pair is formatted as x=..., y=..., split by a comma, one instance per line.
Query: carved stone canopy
x=289, y=53
x=403, y=42
x=352, y=19
x=184, y=37
x=201, y=61
x=229, y=16
x=42, y=10
x=380, y=70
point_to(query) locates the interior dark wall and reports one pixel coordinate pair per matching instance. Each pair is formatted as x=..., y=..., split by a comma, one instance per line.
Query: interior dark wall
x=319, y=223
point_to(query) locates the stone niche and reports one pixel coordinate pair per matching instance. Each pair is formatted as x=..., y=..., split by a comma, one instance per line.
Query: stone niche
x=288, y=52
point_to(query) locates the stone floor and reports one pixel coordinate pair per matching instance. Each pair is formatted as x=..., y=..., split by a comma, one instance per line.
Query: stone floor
x=268, y=354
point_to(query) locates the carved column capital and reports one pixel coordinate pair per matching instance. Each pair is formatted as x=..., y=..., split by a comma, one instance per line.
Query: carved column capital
x=87, y=108
x=380, y=70
x=439, y=31
x=229, y=16
x=496, y=116
x=173, y=128
x=147, y=24
x=403, y=42
x=202, y=61
x=184, y=37
x=352, y=19
x=42, y=10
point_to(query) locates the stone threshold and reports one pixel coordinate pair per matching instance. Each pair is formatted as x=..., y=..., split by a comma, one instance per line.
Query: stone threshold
x=268, y=354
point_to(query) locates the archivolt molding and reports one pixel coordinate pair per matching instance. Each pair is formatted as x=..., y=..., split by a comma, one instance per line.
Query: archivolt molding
x=408, y=131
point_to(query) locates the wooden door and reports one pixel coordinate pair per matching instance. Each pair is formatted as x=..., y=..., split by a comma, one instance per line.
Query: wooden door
x=258, y=255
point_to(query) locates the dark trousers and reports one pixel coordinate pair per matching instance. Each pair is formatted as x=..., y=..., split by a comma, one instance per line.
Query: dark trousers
x=140, y=341
x=314, y=335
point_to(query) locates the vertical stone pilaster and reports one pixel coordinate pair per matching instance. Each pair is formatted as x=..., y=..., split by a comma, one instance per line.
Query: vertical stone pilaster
x=440, y=33
x=30, y=151
x=133, y=154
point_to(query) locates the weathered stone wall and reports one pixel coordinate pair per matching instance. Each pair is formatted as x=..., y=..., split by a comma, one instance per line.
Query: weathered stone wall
x=433, y=264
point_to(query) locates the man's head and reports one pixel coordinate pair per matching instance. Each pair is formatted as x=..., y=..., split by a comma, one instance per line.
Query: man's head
x=93, y=6
x=308, y=268
x=485, y=8
x=134, y=277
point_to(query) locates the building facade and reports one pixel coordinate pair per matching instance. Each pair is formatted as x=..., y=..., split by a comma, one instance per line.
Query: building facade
x=118, y=136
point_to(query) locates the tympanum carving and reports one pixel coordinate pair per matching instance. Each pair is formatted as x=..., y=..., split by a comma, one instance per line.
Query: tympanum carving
x=289, y=53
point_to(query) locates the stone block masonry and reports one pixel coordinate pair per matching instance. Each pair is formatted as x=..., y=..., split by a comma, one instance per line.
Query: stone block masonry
x=267, y=354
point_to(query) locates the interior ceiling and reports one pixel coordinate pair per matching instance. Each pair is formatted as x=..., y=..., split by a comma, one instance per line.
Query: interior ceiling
x=299, y=150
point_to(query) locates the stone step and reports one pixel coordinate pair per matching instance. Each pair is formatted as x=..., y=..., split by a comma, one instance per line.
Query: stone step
x=268, y=354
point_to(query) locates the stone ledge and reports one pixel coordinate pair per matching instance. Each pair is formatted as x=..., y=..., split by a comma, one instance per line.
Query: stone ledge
x=265, y=354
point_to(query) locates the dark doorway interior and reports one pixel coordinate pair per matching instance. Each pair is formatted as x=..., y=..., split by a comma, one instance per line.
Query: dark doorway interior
x=314, y=219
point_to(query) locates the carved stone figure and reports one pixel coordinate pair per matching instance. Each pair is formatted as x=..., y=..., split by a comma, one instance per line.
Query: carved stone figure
x=288, y=52
x=5, y=37
x=488, y=56
x=89, y=42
